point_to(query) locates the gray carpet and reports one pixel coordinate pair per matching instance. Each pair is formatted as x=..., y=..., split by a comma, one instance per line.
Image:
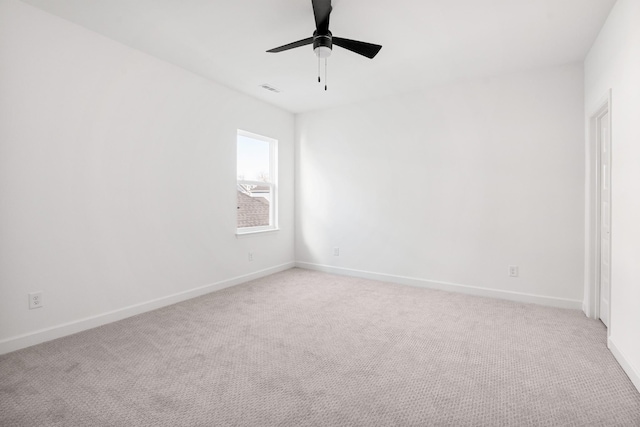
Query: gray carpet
x=307, y=348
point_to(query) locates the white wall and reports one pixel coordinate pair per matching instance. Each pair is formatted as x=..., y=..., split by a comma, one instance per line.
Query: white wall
x=614, y=63
x=117, y=180
x=450, y=186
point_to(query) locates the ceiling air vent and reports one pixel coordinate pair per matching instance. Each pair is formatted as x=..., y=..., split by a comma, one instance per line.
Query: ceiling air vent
x=270, y=88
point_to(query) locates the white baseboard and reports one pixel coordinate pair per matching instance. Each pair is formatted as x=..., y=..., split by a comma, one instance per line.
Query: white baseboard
x=627, y=367
x=445, y=286
x=58, y=331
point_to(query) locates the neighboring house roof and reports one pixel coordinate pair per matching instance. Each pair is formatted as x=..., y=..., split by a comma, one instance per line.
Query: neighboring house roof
x=252, y=211
x=248, y=189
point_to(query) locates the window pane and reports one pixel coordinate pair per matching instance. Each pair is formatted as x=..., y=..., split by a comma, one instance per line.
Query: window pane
x=253, y=159
x=253, y=205
x=256, y=170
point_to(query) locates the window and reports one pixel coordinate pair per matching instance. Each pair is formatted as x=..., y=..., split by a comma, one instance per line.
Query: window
x=256, y=185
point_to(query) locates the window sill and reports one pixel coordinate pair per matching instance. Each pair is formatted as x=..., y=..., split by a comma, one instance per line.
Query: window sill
x=247, y=233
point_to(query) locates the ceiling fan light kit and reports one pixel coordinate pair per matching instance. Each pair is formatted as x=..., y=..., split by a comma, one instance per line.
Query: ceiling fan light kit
x=322, y=45
x=323, y=40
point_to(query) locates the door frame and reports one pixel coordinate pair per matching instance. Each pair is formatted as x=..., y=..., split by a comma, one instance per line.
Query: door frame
x=592, y=210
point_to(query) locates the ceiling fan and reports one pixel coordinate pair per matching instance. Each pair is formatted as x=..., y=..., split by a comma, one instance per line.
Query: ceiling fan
x=323, y=40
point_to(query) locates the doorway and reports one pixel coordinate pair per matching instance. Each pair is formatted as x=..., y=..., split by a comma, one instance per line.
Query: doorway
x=604, y=145
x=599, y=226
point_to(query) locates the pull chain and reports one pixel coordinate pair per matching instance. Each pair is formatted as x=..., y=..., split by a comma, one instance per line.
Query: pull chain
x=325, y=74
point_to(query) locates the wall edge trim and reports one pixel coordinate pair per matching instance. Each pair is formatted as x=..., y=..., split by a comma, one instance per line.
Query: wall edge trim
x=625, y=364
x=446, y=286
x=58, y=331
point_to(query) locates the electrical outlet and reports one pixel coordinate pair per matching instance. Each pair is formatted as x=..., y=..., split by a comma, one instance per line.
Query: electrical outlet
x=250, y=256
x=336, y=251
x=513, y=271
x=35, y=300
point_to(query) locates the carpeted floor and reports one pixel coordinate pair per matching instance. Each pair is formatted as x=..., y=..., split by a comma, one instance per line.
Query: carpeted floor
x=307, y=348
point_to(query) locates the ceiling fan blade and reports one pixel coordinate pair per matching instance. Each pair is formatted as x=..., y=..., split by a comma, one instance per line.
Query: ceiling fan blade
x=365, y=49
x=321, y=12
x=299, y=43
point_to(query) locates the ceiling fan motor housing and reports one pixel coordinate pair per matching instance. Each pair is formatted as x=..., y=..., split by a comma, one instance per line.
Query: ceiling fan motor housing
x=322, y=44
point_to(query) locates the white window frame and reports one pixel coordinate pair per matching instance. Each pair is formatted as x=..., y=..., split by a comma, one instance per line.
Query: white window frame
x=272, y=184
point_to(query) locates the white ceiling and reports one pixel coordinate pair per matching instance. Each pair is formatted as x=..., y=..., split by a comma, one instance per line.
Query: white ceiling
x=425, y=42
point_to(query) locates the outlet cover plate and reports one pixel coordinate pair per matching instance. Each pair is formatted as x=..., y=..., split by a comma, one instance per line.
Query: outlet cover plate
x=513, y=271
x=35, y=300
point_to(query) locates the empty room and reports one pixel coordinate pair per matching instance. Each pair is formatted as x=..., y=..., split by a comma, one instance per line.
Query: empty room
x=319, y=213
